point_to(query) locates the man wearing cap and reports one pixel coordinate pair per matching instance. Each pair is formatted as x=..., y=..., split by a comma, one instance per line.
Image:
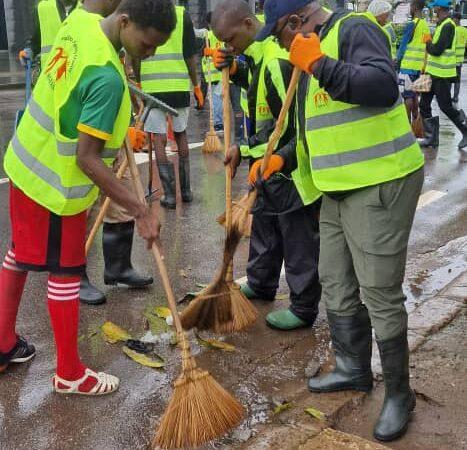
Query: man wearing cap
x=461, y=42
x=441, y=65
x=285, y=218
x=364, y=158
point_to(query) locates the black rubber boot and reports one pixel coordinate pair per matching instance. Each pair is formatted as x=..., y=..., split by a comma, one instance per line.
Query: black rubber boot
x=399, y=400
x=167, y=176
x=431, y=131
x=351, y=339
x=184, y=175
x=117, y=242
x=89, y=294
x=461, y=124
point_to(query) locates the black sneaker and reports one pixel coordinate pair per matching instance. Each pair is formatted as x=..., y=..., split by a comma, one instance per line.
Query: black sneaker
x=20, y=353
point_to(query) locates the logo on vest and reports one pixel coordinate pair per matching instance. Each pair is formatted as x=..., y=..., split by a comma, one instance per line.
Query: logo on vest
x=321, y=99
x=60, y=60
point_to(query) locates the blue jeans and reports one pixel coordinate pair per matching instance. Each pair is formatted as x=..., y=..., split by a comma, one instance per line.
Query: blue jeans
x=217, y=104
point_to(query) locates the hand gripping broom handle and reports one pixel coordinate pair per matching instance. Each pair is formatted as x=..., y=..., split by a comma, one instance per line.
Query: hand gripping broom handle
x=188, y=361
x=276, y=134
x=103, y=209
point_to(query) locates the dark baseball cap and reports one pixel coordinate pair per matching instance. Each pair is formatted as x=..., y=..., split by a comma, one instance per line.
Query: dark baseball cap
x=274, y=10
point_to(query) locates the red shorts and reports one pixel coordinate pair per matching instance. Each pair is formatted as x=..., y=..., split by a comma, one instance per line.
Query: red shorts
x=43, y=241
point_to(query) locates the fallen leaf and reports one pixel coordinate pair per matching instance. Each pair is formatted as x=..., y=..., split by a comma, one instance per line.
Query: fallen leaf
x=113, y=333
x=215, y=344
x=163, y=312
x=316, y=413
x=282, y=297
x=144, y=360
x=201, y=285
x=182, y=273
x=281, y=407
x=157, y=324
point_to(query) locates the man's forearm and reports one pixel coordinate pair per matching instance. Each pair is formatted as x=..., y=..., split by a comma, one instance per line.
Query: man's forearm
x=191, y=66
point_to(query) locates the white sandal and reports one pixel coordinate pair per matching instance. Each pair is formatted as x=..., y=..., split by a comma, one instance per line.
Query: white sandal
x=105, y=384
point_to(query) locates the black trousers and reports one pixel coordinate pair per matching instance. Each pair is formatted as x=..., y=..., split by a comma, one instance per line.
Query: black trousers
x=441, y=89
x=457, y=84
x=291, y=238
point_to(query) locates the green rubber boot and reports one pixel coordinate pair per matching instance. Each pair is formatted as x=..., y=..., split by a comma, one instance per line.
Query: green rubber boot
x=249, y=293
x=286, y=320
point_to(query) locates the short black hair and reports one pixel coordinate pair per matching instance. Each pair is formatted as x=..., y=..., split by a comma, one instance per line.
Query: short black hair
x=158, y=14
x=418, y=4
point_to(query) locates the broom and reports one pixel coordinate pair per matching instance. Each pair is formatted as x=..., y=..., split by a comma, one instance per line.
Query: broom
x=221, y=306
x=241, y=215
x=200, y=408
x=212, y=143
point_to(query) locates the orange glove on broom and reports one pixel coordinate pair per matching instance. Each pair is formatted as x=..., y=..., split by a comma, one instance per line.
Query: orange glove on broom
x=305, y=51
x=224, y=58
x=198, y=93
x=426, y=38
x=208, y=51
x=275, y=164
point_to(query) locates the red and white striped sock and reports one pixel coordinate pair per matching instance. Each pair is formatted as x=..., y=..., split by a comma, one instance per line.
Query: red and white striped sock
x=63, y=304
x=12, y=280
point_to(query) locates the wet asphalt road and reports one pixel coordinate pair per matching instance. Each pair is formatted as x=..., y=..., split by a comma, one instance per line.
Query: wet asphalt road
x=267, y=364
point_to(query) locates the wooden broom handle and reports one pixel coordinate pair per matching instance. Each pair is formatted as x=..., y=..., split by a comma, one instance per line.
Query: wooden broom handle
x=138, y=186
x=276, y=134
x=227, y=136
x=208, y=60
x=103, y=210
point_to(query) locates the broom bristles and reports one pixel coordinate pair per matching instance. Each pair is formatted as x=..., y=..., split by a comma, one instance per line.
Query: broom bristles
x=212, y=143
x=199, y=411
x=241, y=217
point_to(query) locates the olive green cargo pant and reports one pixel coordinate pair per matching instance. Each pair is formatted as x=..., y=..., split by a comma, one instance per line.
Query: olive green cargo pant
x=363, y=251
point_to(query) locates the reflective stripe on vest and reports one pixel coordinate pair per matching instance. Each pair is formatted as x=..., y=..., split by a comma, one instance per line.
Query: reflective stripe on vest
x=167, y=71
x=443, y=66
x=414, y=56
x=353, y=146
x=461, y=40
x=40, y=160
x=49, y=23
x=216, y=75
x=392, y=39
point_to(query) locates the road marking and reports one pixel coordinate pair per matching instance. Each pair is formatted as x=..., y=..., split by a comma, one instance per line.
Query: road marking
x=429, y=197
x=142, y=157
x=4, y=180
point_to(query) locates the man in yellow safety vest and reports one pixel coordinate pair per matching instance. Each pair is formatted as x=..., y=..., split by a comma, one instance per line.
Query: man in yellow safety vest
x=365, y=159
x=58, y=160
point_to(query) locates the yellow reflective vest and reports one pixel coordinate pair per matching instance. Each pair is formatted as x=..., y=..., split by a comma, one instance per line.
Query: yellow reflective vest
x=353, y=146
x=206, y=62
x=49, y=22
x=40, y=160
x=167, y=71
x=461, y=42
x=443, y=66
x=389, y=29
x=414, y=55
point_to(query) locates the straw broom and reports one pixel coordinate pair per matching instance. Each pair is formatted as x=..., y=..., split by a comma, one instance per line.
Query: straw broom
x=241, y=213
x=212, y=143
x=200, y=408
x=221, y=306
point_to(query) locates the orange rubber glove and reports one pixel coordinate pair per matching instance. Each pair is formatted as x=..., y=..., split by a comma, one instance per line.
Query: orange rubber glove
x=198, y=93
x=222, y=58
x=305, y=51
x=208, y=51
x=426, y=38
x=137, y=138
x=275, y=164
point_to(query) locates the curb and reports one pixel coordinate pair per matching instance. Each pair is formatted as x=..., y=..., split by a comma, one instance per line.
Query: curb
x=11, y=86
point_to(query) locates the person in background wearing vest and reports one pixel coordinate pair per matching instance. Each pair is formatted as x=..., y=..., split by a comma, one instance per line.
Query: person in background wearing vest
x=216, y=76
x=285, y=226
x=461, y=43
x=441, y=66
x=382, y=11
x=167, y=76
x=118, y=228
x=47, y=20
x=411, y=56
x=366, y=161
x=58, y=160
